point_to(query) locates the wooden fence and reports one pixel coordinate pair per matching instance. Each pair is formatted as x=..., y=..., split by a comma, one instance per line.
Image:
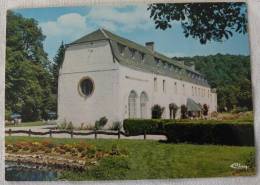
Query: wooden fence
x=73, y=133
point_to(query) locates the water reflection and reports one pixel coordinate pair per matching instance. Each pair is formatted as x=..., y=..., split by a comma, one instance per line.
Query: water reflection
x=15, y=172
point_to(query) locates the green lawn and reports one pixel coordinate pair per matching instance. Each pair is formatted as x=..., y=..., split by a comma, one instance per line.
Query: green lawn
x=148, y=159
x=27, y=124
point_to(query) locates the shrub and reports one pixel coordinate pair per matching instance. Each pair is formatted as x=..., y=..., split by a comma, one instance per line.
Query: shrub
x=101, y=122
x=157, y=111
x=116, y=126
x=184, y=111
x=222, y=133
x=205, y=109
x=173, y=110
x=139, y=126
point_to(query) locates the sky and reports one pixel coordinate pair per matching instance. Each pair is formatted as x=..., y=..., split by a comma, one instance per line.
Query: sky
x=132, y=22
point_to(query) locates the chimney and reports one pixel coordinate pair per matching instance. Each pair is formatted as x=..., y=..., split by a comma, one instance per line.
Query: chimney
x=150, y=45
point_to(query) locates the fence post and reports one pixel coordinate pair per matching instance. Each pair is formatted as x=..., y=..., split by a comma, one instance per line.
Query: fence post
x=144, y=134
x=71, y=134
x=118, y=136
x=9, y=132
x=95, y=133
x=50, y=131
x=29, y=133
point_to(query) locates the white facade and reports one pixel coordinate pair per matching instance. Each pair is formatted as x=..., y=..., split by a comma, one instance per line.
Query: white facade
x=119, y=92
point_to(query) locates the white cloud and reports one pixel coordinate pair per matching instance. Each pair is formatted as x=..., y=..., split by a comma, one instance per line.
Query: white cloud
x=70, y=25
x=136, y=18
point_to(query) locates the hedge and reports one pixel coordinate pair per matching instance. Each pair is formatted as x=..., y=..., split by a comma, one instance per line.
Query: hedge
x=150, y=126
x=223, y=134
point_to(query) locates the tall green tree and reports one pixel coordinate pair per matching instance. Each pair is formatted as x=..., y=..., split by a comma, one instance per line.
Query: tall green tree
x=57, y=62
x=28, y=77
x=230, y=75
x=203, y=21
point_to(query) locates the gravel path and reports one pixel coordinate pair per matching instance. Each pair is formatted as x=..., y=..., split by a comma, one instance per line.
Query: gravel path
x=47, y=127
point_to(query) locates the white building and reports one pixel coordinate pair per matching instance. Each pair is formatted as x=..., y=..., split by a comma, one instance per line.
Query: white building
x=107, y=75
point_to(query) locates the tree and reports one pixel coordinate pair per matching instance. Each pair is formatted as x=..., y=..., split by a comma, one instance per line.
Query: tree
x=157, y=111
x=28, y=77
x=57, y=62
x=205, y=109
x=184, y=111
x=203, y=21
x=230, y=75
x=173, y=110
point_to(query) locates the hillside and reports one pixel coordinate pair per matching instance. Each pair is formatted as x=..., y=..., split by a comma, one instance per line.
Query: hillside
x=230, y=75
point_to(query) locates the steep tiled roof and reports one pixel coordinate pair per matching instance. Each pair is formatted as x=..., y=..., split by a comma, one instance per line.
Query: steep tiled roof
x=166, y=66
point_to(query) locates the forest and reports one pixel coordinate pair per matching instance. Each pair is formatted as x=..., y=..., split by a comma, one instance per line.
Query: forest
x=230, y=75
x=31, y=78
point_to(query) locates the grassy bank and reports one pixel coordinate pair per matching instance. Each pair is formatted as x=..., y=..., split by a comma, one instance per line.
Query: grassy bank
x=155, y=160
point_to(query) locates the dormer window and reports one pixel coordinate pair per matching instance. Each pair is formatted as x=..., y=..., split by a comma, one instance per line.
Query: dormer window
x=171, y=68
x=121, y=48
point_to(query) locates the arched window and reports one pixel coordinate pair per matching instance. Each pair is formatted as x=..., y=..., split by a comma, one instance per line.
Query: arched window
x=132, y=104
x=143, y=105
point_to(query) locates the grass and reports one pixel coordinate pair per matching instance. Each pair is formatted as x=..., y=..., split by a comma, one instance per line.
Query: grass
x=27, y=124
x=148, y=159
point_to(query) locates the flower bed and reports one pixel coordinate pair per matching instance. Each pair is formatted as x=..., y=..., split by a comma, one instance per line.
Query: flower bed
x=76, y=156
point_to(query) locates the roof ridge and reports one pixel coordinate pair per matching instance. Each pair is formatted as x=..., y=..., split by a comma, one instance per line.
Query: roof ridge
x=104, y=33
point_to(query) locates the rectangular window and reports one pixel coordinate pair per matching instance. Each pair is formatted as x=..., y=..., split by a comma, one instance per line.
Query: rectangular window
x=183, y=89
x=192, y=90
x=155, y=84
x=164, y=88
x=175, y=88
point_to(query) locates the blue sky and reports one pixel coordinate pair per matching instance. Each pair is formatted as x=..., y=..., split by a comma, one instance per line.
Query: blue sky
x=132, y=22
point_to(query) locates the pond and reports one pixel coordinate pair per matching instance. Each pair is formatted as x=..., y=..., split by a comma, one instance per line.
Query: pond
x=18, y=172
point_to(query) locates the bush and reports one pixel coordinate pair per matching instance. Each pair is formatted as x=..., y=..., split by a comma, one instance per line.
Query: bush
x=205, y=109
x=184, y=111
x=139, y=126
x=222, y=134
x=173, y=110
x=157, y=111
x=101, y=123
